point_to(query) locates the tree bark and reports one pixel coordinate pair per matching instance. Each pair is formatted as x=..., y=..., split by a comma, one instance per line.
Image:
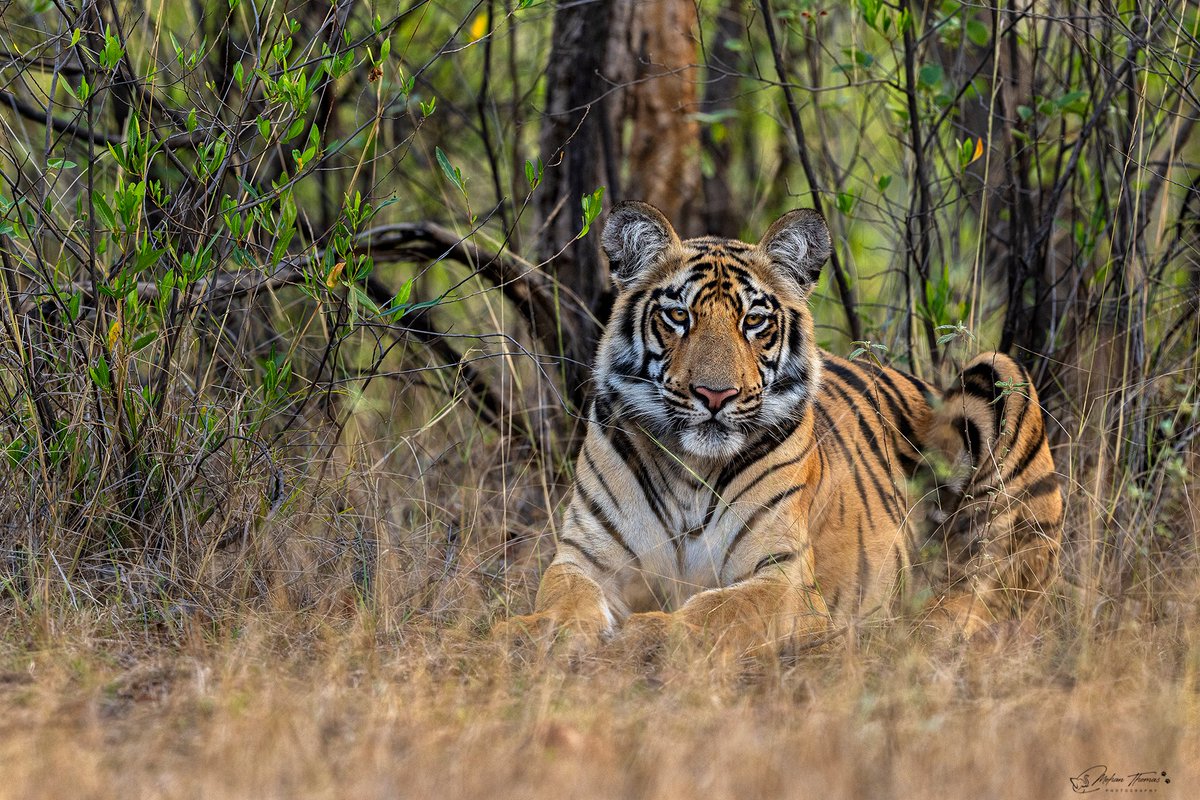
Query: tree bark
x=577, y=142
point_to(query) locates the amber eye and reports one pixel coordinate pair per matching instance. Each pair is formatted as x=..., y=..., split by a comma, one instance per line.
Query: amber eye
x=676, y=315
x=754, y=319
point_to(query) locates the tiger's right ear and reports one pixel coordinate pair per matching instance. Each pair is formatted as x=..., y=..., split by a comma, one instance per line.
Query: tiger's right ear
x=635, y=237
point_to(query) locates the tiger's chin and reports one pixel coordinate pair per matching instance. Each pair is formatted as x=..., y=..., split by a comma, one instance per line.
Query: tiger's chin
x=711, y=440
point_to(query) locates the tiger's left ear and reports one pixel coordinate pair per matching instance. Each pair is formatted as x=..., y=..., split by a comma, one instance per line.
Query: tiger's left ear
x=798, y=243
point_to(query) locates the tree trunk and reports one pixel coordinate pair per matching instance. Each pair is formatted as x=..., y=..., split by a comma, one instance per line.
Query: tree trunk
x=654, y=52
x=577, y=143
x=612, y=62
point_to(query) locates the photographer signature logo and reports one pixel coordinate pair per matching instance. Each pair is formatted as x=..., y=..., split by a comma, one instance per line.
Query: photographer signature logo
x=1099, y=779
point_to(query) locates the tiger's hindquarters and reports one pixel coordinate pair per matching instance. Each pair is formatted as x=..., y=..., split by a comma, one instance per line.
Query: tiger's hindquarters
x=1001, y=541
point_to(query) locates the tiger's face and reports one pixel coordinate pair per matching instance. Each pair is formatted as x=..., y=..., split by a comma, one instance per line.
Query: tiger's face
x=710, y=340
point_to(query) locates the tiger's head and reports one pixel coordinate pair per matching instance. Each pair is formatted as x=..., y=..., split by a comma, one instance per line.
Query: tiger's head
x=710, y=340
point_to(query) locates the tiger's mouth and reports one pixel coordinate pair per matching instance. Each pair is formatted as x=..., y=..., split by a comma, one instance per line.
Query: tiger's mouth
x=712, y=438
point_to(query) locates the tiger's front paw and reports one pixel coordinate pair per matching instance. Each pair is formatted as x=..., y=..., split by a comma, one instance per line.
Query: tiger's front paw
x=526, y=628
x=546, y=633
x=647, y=635
x=955, y=620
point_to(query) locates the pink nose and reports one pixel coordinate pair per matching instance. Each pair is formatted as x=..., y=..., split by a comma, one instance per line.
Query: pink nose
x=715, y=398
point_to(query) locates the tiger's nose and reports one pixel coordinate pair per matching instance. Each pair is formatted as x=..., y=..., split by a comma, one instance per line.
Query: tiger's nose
x=715, y=398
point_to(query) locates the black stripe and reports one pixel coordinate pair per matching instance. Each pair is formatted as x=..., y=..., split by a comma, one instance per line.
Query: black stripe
x=769, y=440
x=833, y=601
x=602, y=409
x=834, y=433
x=866, y=432
x=885, y=375
x=587, y=457
x=923, y=388
x=887, y=498
x=1043, y=486
x=901, y=416
x=981, y=380
x=587, y=554
x=625, y=325
x=854, y=466
x=605, y=522
x=773, y=560
x=822, y=469
x=1020, y=423
x=755, y=517
x=628, y=452
x=972, y=439
x=666, y=481
x=773, y=469
x=1032, y=449
x=1048, y=526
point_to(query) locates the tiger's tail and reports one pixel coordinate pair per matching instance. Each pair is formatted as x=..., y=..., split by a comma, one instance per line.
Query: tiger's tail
x=1003, y=531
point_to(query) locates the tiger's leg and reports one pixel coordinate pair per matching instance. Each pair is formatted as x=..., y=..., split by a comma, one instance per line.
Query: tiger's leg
x=776, y=608
x=569, y=601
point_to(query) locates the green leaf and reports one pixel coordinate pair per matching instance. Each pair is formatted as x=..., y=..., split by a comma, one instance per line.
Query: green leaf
x=358, y=297
x=452, y=173
x=978, y=33
x=592, y=205
x=81, y=92
x=61, y=163
x=533, y=174
x=191, y=120
x=294, y=129
x=104, y=210
x=400, y=302
x=1073, y=102
x=143, y=340
x=112, y=53
x=845, y=202
x=930, y=75
x=100, y=374
x=404, y=293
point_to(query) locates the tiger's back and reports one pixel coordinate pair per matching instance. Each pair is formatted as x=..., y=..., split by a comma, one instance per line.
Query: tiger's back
x=737, y=480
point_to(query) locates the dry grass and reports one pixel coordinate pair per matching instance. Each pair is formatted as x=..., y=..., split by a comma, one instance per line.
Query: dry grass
x=272, y=708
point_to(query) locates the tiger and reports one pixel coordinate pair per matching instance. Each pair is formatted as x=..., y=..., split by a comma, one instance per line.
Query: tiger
x=737, y=481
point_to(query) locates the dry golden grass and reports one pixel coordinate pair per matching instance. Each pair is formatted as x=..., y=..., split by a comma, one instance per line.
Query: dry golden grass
x=277, y=705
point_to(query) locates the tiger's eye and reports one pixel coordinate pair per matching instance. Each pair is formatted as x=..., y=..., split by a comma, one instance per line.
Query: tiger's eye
x=677, y=315
x=754, y=320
